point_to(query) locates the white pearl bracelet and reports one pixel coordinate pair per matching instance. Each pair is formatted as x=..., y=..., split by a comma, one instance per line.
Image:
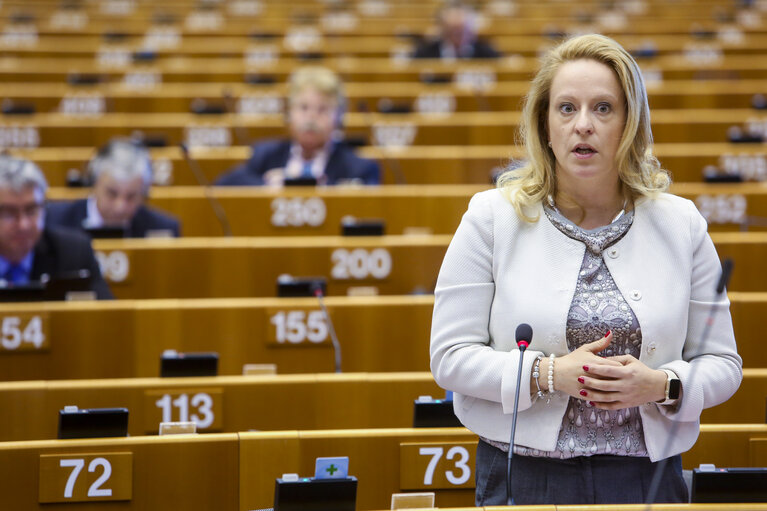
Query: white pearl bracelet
x=551, y=374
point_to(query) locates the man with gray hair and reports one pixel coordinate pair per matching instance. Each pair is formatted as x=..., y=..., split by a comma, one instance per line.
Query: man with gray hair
x=28, y=248
x=121, y=173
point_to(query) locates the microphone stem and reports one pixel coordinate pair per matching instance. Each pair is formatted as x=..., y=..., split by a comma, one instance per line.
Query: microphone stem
x=218, y=210
x=509, y=499
x=333, y=337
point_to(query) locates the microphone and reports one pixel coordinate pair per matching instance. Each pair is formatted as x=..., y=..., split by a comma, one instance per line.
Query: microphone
x=317, y=289
x=727, y=266
x=523, y=336
x=218, y=210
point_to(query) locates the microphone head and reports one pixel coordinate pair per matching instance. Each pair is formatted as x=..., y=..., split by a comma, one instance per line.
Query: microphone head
x=725, y=278
x=524, y=335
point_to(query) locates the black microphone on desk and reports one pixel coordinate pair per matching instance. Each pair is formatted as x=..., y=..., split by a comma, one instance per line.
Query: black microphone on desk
x=523, y=336
x=721, y=285
x=218, y=210
x=317, y=289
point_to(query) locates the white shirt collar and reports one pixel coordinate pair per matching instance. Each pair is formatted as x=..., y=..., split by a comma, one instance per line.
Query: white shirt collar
x=295, y=166
x=94, y=218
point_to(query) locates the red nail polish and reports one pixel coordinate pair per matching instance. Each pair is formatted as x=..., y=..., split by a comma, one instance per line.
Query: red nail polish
x=608, y=333
x=592, y=403
x=584, y=393
x=586, y=368
x=580, y=379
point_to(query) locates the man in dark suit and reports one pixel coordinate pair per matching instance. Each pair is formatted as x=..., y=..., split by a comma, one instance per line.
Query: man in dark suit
x=457, y=36
x=314, y=118
x=30, y=251
x=121, y=173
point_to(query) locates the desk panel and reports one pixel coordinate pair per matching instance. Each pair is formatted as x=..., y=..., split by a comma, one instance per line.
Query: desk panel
x=375, y=455
x=274, y=19
x=370, y=46
x=747, y=406
x=361, y=97
x=182, y=472
x=392, y=130
x=355, y=69
x=374, y=458
x=125, y=339
x=435, y=209
x=412, y=165
x=246, y=403
x=242, y=267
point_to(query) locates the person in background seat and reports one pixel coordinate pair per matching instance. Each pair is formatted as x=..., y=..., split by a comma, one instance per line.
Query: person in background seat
x=121, y=174
x=30, y=250
x=314, y=149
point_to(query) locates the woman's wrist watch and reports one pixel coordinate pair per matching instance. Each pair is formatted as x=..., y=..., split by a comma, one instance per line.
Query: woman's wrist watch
x=673, y=388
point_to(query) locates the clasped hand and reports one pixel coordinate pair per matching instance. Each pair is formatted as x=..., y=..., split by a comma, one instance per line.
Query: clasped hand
x=610, y=383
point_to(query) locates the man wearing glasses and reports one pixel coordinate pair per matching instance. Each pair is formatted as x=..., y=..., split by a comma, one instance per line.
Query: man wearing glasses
x=29, y=250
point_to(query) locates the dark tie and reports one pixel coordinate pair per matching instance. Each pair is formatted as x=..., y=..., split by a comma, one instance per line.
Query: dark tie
x=15, y=274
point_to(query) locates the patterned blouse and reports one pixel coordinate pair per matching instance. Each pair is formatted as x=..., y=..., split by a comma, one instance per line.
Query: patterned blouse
x=597, y=306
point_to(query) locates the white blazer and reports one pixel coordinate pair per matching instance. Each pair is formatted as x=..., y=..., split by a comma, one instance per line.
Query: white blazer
x=500, y=271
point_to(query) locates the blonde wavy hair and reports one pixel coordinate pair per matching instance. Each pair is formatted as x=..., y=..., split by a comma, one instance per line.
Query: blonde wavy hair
x=639, y=171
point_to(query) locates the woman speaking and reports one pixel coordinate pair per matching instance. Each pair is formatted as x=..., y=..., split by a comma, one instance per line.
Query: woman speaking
x=616, y=278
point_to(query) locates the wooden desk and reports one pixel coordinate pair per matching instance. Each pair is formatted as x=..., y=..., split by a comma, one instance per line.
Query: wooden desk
x=366, y=70
x=423, y=10
x=503, y=96
x=410, y=165
x=176, y=472
x=746, y=406
x=361, y=46
x=375, y=459
x=389, y=130
x=222, y=403
x=263, y=458
x=275, y=19
x=239, y=403
x=435, y=209
x=125, y=339
x=244, y=267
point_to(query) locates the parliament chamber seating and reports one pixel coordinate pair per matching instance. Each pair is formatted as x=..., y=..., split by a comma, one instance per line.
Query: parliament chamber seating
x=404, y=209
x=391, y=264
x=438, y=99
x=236, y=471
x=704, y=65
x=270, y=402
x=126, y=338
x=429, y=165
x=390, y=130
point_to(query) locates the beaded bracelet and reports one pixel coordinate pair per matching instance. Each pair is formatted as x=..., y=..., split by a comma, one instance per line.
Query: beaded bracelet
x=551, y=375
x=537, y=374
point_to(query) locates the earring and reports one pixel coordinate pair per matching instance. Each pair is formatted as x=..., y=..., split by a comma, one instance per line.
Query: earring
x=549, y=143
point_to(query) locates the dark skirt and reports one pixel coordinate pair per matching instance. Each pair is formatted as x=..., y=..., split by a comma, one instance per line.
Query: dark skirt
x=600, y=479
